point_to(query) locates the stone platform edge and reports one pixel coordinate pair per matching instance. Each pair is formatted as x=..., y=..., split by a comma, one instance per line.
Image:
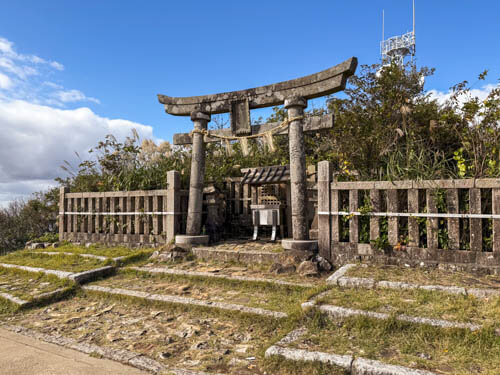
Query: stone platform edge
x=126, y=357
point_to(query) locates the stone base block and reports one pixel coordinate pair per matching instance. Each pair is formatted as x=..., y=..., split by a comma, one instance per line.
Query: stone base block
x=188, y=242
x=302, y=245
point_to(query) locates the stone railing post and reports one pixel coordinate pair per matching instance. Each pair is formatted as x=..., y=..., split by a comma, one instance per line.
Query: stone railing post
x=173, y=203
x=62, y=210
x=324, y=229
x=298, y=183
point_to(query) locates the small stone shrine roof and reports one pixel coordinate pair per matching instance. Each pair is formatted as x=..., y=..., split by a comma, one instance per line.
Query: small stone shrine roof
x=266, y=175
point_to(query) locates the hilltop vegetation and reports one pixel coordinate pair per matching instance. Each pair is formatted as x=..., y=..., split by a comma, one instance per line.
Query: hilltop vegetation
x=387, y=127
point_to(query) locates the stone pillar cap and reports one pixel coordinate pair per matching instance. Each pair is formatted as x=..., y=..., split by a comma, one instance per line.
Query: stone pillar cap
x=295, y=101
x=198, y=115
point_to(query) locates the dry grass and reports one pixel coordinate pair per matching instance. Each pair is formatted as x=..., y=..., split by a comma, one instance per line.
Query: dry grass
x=27, y=285
x=423, y=303
x=254, y=294
x=69, y=263
x=424, y=276
x=445, y=351
x=95, y=249
x=187, y=338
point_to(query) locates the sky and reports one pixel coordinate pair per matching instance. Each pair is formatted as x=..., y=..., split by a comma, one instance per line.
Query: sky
x=72, y=72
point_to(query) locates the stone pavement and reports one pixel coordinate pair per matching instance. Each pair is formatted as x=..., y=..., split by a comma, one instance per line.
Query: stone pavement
x=21, y=355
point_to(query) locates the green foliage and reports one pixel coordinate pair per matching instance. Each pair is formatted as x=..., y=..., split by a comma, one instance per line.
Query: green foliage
x=47, y=237
x=21, y=220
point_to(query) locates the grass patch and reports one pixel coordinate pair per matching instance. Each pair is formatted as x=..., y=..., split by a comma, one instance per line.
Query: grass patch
x=253, y=294
x=424, y=276
x=28, y=285
x=7, y=307
x=279, y=366
x=69, y=263
x=94, y=249
x=417, y=302
x=449, y=351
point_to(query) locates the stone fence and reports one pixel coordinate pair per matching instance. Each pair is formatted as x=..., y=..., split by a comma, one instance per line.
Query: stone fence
x=156, y=216
x=123, y=217
x=453, y=223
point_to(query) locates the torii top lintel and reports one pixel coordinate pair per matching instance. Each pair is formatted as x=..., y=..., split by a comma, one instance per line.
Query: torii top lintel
x=312, y=86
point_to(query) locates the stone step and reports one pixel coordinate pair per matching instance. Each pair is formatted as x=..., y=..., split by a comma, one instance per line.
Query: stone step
x=351, y=364
x=172, y=271
x=340, y=312
x=186, y=301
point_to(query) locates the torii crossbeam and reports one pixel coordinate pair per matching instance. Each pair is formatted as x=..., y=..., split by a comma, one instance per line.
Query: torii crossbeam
x=294, y=95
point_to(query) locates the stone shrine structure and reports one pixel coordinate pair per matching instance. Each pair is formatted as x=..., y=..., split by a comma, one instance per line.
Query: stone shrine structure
x=294, y=95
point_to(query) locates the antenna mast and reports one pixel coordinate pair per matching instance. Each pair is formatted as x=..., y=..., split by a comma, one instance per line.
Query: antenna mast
x=398, y=47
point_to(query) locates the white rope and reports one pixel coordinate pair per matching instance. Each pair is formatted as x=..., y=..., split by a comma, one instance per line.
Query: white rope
x=120, y=213
x=405, y=214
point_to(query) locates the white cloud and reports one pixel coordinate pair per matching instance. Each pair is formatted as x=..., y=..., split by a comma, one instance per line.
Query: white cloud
x=481, y=94
x=38, y=132
x=5, y=81
x=24, y=78
x=70, y=96
x=37, y=139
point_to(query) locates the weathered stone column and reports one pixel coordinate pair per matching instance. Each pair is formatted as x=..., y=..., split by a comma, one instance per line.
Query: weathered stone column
x=298, y=182
x=295, y=108
x=197, y=177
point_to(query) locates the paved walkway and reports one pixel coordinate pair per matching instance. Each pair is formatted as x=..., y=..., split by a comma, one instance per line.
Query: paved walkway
x=21, y=355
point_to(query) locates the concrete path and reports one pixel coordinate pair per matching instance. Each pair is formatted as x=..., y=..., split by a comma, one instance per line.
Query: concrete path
x=21, y=355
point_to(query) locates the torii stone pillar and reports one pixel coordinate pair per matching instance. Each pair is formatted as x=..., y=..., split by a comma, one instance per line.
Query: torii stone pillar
x=298, y=182
x=295, y=108
x=195, y=206
x=238, y=104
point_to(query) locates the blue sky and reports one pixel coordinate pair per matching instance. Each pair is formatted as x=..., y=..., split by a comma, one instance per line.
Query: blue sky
x=115, y=56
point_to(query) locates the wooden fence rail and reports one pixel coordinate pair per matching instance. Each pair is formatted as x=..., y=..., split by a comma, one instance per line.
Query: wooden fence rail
x=453, y=221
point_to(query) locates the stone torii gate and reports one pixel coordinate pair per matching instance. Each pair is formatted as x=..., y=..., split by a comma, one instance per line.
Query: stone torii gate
x=294, y=95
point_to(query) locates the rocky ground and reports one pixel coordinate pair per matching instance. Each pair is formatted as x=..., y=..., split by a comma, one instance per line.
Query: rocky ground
x=172, y=310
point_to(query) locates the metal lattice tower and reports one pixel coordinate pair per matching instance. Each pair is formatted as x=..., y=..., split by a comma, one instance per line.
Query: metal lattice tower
x=396, y=48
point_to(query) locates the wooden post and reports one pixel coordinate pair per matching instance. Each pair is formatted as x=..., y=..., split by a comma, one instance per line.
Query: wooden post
x=155, y=216
x=354, y=221
x=432, y=222
x=495, y=198
x=453, y=223
x=90, y=217
x=237, y=198
x=392, y=221
x=476, y=227
x=75, y=218
x=129, y=208
x=173, y=204
x=324, y=230
x=62, y=209
x=98, y=219
x=374, y=220
x=334, y=195
x=112, y=225
x=413, y=230
x=137, y=219
x=147, y=208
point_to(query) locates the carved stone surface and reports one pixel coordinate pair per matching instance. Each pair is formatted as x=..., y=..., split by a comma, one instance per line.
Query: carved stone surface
x=197, y=176
x=310, y=124
x=295, y=108
x=312, y=86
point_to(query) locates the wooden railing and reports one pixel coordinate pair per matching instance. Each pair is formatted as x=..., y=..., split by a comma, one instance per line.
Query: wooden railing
x=131, y=217
x=456, y=221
